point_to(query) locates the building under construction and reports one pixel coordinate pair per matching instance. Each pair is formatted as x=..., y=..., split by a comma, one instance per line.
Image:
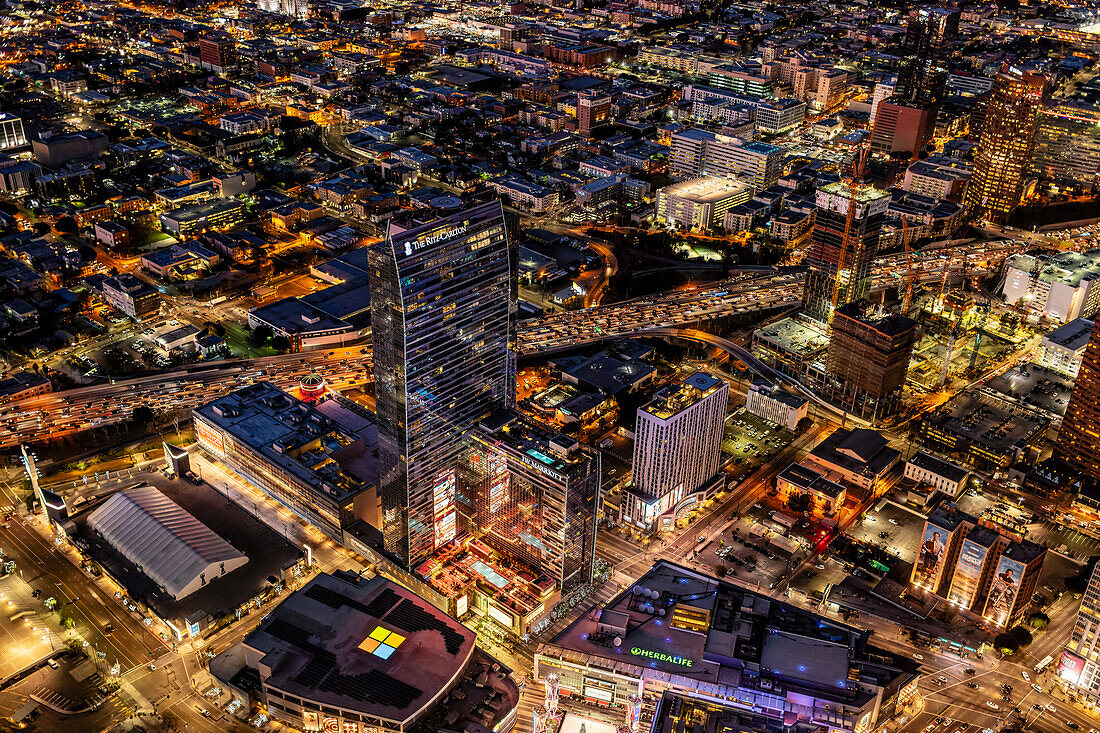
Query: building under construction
x=867, y=360
x=845, y=243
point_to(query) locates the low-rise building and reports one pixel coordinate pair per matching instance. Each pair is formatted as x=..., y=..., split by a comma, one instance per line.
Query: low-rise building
x=773, y=403
x=925, y=468
x=1061, y=349
x=130, y=295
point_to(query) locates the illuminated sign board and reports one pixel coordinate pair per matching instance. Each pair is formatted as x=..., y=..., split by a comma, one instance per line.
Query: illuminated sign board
x=310, y=720
x=443, y=495
x=210, y=438
x=660, y=656
x=501, y=617
x=1003, y=590
x=1070, y=667
x=930, y=557
x=968, y=572
x=414, y=245
x=462, y=605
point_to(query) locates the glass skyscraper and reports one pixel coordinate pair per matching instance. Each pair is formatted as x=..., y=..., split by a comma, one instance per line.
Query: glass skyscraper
x=443, y=307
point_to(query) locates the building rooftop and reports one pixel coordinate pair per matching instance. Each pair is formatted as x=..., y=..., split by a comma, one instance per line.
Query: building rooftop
x=315, y=447
x=160, y=537
x=938, y=466
x=708, y=189
x=676, y=398
x=1072, y=336
x=796, y=336
x=991, y=422
x=676, y=622
x=368, y=646
x=860, y=451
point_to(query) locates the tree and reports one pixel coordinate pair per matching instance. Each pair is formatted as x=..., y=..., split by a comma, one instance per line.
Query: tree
x=87, y=252
x=1038, y=620
x=720, y=570
x=1005, y=644
x=67, y=225
x=261, y=334
x=142, y=415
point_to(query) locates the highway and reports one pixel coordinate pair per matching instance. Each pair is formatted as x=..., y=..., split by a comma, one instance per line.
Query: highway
x=71, y=411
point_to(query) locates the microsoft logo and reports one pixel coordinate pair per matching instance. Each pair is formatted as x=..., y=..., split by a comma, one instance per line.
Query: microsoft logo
x=382, y=642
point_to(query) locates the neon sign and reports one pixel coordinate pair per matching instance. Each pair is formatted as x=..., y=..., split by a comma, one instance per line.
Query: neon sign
x=660, y=656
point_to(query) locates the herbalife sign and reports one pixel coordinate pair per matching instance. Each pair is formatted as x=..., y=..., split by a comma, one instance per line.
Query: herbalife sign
x=660, y=656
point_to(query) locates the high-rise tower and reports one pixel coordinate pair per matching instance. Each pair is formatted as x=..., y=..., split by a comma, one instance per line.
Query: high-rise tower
x=443, y=318
x=1079, y=436
x=1005, y=145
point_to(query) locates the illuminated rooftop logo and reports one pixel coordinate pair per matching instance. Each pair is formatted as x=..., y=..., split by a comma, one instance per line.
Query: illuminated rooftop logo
x=382, y=642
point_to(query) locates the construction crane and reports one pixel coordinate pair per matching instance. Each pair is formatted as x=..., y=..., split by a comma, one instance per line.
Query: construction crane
x=910, y=274
x=984, y=308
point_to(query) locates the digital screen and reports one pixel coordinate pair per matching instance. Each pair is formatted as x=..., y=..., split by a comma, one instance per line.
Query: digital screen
x=1070, y=667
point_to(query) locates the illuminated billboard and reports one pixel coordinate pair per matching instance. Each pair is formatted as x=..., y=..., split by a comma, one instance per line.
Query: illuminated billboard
x=968, y=571
x=1003, y=590
x=443, y=498
x=930, y=557
x=1070, y=667
x=210, y=438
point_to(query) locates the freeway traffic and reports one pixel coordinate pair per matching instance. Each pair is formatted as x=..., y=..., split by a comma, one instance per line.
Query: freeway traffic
x=71, y=411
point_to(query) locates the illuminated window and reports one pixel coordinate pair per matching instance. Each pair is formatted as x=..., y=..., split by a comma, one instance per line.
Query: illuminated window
x=382, y=642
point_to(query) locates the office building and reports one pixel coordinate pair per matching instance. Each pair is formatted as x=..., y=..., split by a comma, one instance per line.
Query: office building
x=443, y=306
x=1079, y=438
x=1079, y=666
x=905, y=121
x=840, y=261
x=700, y=203
x=677, y=446
x=678, y=642
x=937, y=177
x=18, y=176
x=54, y=151
x=352, y=654
x=216, y=53
x=1062, y=349
x=901, y=127
x=1004, y=153
x=698, y=152
x=593, y=111
x=533, y=496
x=867, y=359
x=977, y=565
x=1067, y=143
x=11, y=132
x=131, y=296
x=929, y=36
x=317, y=459
x=1062, y=286
x=777, y=405
x=194, y=219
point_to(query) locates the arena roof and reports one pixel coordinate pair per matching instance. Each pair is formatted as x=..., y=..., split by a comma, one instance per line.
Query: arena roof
x=168, y=544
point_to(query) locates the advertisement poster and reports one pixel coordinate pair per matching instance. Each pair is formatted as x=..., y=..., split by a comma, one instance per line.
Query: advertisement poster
x=930, y=557
x=1070, y=667
x=968, y=571
x=310, y=721
x=1002, y=592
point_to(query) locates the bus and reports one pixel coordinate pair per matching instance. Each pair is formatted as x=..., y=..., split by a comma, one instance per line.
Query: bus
x=1043, y=663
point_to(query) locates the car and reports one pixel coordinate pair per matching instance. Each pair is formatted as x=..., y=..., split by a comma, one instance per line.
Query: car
x=819, y=566
x=972, y=685
x=918, y=657
x=53, y=663
x=701, y=538
x=992, y=705
x=1050, y=707
x=109, y=629
x=942, y=678
x=1072, y=725
x=970, y=670
x=36, y=593
x=939, y=720
x=1037, y=688
x=1026, y=676
x=892, y=521
x=152, y=667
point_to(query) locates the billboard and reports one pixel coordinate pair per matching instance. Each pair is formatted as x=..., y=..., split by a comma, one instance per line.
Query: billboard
x=1003, y=590
x=210, y=438
x=968, y=571
x=1070, y=667
x=930, y=557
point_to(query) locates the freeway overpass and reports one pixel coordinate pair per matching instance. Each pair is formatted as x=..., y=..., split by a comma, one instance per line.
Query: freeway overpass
x=80, y=409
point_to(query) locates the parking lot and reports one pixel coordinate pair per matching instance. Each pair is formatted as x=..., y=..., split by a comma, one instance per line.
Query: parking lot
x=749, y=438
x=748, y=550
x=895, y=528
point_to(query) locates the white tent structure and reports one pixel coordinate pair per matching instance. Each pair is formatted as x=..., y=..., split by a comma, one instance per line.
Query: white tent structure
x=175, y=550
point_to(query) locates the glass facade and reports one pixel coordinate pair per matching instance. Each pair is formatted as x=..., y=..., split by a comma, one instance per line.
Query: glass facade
x=443, y=318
